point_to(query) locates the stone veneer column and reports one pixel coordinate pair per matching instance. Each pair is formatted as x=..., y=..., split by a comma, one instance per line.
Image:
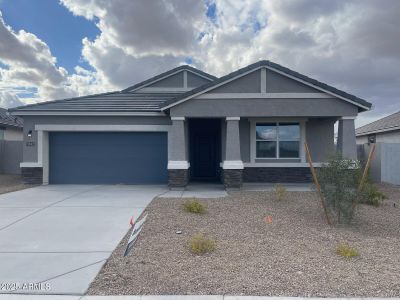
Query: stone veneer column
x=178, y=166
x=233, y=164
x=346, y=141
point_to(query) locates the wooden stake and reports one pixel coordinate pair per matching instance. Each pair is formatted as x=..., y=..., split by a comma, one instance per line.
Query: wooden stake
x=365, y=173
x=314, y=175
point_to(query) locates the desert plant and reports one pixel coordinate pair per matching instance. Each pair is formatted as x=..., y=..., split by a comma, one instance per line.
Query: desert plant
x=346, y=251
x=370, y=195
x=200, y=244
x=339, y=179
x=194, y=206
x=280, y=192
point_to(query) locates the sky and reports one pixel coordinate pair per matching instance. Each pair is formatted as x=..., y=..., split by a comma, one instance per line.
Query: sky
x=52, y=49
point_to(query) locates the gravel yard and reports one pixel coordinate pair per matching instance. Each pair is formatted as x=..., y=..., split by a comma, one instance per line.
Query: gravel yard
x=292, y=256
x=12, y=183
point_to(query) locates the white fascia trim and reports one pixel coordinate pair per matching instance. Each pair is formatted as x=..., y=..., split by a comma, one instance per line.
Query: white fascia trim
x=280, y=165
x=30, y=165
x=177, y=118
x=263, y=79
x=178, y=165
x=265, y=96
x=185, y=80
x=165, y=89
x=349, y=118
x=232, y=165
x=233, y=118
x=317, y=87
x=102, y=127
x=87, y=113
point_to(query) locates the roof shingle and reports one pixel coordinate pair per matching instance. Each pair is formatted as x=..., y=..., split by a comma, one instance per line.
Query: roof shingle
x=8, y=120
x=391, y=122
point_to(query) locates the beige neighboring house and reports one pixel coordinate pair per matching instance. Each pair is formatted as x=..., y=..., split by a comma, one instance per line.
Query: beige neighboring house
x=11, y=127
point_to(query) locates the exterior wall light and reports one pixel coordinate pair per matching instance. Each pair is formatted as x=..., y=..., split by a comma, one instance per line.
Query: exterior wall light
x=30, y=133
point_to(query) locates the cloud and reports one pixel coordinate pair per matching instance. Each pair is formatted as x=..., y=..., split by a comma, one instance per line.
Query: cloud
x=8, y=100
x=352, y=45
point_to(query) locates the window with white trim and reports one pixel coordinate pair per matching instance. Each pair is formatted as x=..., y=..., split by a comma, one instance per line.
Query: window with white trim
x=278, y=140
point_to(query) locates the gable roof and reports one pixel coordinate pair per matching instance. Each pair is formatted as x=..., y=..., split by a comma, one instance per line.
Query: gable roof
x=167, y=74
x=388, y=123
x=8, y=120
x=126, y=101
x=105, y=102
x=361, y=103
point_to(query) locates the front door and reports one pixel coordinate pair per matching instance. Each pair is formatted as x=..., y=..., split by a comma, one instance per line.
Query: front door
x=205, y=149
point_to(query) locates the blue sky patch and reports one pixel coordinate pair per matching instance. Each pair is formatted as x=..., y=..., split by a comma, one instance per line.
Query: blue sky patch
x=212, y=11
x=54, y=24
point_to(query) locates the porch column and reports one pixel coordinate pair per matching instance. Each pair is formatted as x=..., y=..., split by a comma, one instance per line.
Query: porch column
x=178, y=165
x=233, y=164
x=346, y=141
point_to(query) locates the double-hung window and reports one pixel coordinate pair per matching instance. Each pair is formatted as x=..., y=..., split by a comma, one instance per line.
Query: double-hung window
x=278, y=140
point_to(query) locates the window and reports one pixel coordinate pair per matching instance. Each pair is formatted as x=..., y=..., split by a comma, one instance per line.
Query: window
x=277, y=140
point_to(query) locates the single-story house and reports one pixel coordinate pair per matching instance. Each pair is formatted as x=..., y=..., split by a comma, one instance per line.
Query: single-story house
x=10, y=127
x=385, y=130
x=384, y=134
x=185, y=125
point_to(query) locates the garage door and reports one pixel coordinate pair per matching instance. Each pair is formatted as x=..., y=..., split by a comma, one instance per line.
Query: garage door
x=108, y=157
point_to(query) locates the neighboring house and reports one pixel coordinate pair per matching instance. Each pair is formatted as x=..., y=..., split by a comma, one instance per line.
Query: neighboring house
x=385, y=134
x=10, y=126
x=385, y=130
x=185, y=125
x=11, y=137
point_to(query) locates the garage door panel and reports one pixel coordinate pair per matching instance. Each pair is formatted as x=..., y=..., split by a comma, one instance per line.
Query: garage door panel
x=108, y=158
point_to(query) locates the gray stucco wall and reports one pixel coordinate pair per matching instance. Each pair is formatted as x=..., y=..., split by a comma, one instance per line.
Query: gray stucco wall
x=277, y=83
x=30, y=152
x=244, y=129
x=320, y=138
x=194, y=80
x=326, y=107
x=172, y=81
x=250, y=83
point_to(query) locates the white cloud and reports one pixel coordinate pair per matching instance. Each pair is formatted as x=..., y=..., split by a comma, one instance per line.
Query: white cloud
x=8, y=100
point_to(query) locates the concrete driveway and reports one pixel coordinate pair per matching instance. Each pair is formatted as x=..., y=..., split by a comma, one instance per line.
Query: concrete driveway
x=61, y=235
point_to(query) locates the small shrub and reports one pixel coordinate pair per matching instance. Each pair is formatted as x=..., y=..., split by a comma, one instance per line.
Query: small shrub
x=280, y=192
x=194, y=206
x=339, y=180
x=346, y=251
x=371, y=195
x=199, y=244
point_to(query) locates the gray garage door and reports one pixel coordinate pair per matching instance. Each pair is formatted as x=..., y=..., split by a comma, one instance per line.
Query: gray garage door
x=108, y=157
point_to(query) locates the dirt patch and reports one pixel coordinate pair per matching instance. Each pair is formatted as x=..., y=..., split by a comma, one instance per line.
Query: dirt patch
x=292, y=256
x=12, y=183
